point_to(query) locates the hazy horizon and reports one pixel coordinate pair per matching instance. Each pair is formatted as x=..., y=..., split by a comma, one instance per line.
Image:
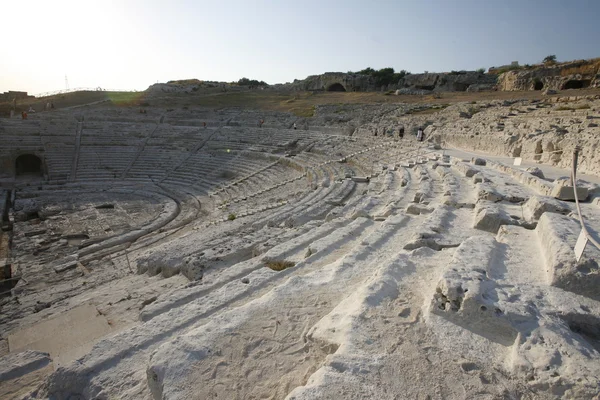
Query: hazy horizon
x=130, y=45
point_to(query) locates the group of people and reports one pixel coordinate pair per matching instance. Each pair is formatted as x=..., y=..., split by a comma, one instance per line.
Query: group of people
x=49, y=106
x=420, y=133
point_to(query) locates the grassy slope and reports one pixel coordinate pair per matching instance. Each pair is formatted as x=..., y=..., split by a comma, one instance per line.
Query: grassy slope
x=299, y=103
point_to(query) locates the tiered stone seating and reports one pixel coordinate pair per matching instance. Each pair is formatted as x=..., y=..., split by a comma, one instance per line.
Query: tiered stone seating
x=21, y=136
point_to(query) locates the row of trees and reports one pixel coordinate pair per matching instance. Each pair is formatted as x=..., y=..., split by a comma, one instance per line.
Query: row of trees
x=384, y=76
x=251, y=82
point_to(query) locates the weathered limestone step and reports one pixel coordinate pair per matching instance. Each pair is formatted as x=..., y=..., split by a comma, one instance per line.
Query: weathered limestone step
x=558, y=235
x=568, y=193
x=15, y=365
x=466, y=296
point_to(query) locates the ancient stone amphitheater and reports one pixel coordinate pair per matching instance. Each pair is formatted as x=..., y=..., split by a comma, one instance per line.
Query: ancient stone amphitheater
x=190, y=253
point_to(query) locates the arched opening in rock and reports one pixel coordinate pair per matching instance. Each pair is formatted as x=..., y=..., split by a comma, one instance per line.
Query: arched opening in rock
x=538, y=85
x=336, y=87
x=460, y=87
x=425, y=87
x=28, y=165
x=576, y=84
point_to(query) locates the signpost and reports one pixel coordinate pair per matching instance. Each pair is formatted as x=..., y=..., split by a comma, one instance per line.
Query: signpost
x=580, y=245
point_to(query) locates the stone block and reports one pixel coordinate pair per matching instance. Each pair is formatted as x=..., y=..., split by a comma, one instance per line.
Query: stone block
x=64, y=264
x=558, y=235
x=567, y=193
x=416, y=209
x=465, y=294
x=489, y=218
x=535, y=171
x=538, y=205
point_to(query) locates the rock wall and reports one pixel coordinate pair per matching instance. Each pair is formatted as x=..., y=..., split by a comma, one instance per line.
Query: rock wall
x=449, y=82
x=544, y=132
x=572, y=75
x=335, y=81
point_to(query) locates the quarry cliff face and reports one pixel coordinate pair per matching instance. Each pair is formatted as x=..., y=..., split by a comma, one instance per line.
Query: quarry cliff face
x=449, y=81
x=336, y=82
x=410, y=84
x=572, y=75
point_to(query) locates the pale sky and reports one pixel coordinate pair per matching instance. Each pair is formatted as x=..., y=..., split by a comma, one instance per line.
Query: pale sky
x=131, y=44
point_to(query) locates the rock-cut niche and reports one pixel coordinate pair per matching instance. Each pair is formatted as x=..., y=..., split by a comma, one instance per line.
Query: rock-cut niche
x=28, y=165
x=336, y=87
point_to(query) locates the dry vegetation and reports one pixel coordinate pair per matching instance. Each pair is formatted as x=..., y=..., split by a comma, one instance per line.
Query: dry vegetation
x=583, y=69
x=279, y=265
x=301, y=104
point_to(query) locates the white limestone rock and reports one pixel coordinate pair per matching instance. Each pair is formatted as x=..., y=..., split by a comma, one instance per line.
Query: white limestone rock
x=15, y=365
x=538, y=205
x=489, y=217
x=558, y=235
x=466, y=295
x=535, y=171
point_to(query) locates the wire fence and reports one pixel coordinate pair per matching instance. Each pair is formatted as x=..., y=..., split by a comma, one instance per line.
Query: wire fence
x=80, y=89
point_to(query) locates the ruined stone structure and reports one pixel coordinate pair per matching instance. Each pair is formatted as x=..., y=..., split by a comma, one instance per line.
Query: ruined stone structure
x=336, y=82
x=193, y=253
x=449, y=82
x=571, y=75
x=411, y=84
x=10, y=95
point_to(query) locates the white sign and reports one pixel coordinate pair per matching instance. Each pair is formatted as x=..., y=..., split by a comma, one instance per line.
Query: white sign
x=518, y=161
x=580, y=245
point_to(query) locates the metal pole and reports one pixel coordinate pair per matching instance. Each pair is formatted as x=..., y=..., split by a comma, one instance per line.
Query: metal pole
x=575, y=158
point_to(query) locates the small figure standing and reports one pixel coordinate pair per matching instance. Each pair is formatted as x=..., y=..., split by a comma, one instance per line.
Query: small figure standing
x=260, y=123
x=294, y=125
x=420, y=134
x=401, y=134
x=52, y=105
x=23, y=115
x=204, y=124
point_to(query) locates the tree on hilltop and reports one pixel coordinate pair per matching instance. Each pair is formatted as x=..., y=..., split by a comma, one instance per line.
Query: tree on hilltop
x=384, y=76
x=551, y=59
x=251, y=82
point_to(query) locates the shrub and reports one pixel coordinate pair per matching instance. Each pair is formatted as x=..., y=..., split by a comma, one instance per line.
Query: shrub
x=551, y=59
x=251, y=82
x=231, y=217
x=279, y=265
x=481, y=70
x=385, y=76
x=509, y=68
x=473, y=110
